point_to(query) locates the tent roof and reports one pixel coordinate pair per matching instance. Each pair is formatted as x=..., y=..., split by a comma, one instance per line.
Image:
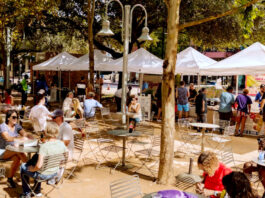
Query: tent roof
x=56, y=63
x=246, y=62
x=190, y=61
x=140, y=61
x=82, y=63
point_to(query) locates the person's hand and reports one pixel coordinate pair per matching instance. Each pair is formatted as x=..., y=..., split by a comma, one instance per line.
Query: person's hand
x=199, y=188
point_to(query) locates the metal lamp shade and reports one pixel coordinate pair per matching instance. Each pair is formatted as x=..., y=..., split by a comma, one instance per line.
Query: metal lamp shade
x=145, y=35
x=105, y=31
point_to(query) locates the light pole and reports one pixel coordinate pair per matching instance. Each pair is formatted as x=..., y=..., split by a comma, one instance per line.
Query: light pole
x=127, y=14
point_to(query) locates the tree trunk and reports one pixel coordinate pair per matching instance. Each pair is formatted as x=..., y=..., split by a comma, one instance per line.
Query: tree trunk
x=168, y=94
x=90, y=16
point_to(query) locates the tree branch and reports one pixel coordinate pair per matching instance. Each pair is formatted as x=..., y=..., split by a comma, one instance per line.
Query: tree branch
x=217, y=16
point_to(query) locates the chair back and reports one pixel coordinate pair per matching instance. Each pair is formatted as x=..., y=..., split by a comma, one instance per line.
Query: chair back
x=105, y=111
x=79, y=143
x=229, y=130
x=126, y=187
x=224, y=123
x=156, y=141
x=54, y=161
x=227, y=157
x=183, y=124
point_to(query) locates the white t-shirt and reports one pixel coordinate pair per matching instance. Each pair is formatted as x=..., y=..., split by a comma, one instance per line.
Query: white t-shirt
x=67, y=104
x=118, y=93
x=38, y=115
x=66, y=133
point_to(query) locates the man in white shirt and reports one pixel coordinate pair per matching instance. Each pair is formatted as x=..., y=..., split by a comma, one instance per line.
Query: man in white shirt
x=65, y=131
x=68, y=104
x=39, y=114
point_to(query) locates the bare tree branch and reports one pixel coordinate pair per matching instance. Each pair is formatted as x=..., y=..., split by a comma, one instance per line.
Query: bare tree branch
x=217, y=16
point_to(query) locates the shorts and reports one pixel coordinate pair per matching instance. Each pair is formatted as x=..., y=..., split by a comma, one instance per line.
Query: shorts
x=2, y=151
x=225, y=116
x=184, y=108
x=202, y=117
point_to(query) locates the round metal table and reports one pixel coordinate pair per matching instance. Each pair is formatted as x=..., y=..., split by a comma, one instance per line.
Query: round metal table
x=124, y=134
x=204, y=126
x=21, y=149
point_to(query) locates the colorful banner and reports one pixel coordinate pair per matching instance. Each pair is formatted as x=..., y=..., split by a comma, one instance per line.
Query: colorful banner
x=253, y=83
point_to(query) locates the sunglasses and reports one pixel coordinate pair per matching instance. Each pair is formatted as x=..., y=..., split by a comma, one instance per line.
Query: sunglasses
x=14, y=117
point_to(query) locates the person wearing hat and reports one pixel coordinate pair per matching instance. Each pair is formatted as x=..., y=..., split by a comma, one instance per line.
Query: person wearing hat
x=65, y=131
x=259, y=95
x=90, y=104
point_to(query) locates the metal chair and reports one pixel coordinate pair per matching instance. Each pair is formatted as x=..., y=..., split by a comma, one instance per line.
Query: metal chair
x=78, y=150
x=128, y=187
x=227, y=158
x=2, y=169
x=49, y=162
x=106, y=116
x=149, y=155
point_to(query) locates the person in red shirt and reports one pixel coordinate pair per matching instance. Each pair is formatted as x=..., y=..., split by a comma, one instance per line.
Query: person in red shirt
x=214, y=171
x=8, y=99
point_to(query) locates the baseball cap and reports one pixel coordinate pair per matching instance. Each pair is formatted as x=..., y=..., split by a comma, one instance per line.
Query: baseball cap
x=57, y=113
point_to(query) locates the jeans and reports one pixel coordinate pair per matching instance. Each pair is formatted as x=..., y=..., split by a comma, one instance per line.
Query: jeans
x=24, y=97
x=25, y=174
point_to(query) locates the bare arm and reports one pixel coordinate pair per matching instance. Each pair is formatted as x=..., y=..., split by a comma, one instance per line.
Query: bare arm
x=130, y=108
x=249, y=108
x=137, y=108
x=203, y=106
x=66, y=142
x=23, y=133
x=176, y=93
x=37, y=166
x=262, y=104
x=7, y=137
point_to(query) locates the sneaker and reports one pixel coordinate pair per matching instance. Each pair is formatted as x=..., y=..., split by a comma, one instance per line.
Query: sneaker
x=158, y=120
x=25, y=196
x=38, y=194
x=11, y=183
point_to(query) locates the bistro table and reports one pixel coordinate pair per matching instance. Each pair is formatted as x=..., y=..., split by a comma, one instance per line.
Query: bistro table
x=171, y=194
x=21, y=149
x=124, y=134
x=204, y=126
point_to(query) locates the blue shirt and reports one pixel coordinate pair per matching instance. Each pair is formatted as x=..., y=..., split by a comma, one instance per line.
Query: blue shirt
x=89, y=107
x=258, y=97
x=15, y=133
x=226, y=101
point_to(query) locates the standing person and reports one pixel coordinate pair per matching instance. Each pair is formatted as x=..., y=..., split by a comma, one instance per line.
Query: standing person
x=262, y=111
x=98, y=86
x=192, y=92
x=80, y=89
x=182, y=95
x=24, y=90
x=65, y=131
x=118, y=95
x=68, y=105
x=259, y=95
x=158, y=96
x=50, y=146
x=39, y=114
x=8, y=98
x=10, y=130
x=225, y=109
x=129, y=95
x=90, y=104
x=201, y=106
x=244, y=106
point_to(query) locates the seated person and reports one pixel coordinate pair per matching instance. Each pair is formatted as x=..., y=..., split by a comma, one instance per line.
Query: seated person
x=78, y=111
x=8, y=98
x=68, y=104
x=9, y=132
x=135, y=108
x=90, y=104
x=39, y=114
x=50, y=146
x=237, y=185
x=65, y=131
x=250, y=167
x=214, y=171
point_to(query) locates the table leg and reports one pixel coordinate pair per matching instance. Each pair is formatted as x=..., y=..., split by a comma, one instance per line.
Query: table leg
x=202, y=144
x=123, y=150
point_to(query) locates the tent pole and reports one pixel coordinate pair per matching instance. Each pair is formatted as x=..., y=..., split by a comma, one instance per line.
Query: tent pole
x=141, y=82
x=60, y=86
x=69, y=80
x=181, y=77
x=237, y=85
x=199, y=80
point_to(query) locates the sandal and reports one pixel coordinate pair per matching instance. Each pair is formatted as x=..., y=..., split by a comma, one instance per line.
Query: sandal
x=236, y=134
x=240, y=135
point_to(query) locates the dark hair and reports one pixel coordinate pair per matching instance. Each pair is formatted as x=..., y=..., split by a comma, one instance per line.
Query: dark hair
x=8, y=91
x=229, y=88
x=202, y=89
x=8, y=115
x=82, y=78
x=237, y=185
x=39, y=97
x=26, y=76
x=262, y=85
x=182, y=83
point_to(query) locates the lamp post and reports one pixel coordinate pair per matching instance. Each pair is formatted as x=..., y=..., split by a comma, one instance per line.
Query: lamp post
x=127, y=14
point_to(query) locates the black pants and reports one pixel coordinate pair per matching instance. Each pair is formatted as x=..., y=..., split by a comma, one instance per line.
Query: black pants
x=118, y=103
x=24, y=97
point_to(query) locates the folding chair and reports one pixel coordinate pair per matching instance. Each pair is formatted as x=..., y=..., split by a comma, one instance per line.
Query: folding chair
x=107, y=118
x=49, y=162
x=2, y=169
x=149, y=155
x=77, y=155
x=227, y=158
x=128, y=187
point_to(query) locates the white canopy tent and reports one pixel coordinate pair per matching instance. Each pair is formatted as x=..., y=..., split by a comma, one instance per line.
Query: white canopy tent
x=82, y=63
x=140, y=61
x=56, y=63
x=191, y=61
x=246, y=62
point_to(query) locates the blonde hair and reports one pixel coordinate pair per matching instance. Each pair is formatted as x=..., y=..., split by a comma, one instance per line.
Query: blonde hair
x=209, y=161
x=77, y=107
x=51, y=130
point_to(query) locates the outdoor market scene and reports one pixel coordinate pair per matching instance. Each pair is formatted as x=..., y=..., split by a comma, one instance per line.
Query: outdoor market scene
x=132, y=99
